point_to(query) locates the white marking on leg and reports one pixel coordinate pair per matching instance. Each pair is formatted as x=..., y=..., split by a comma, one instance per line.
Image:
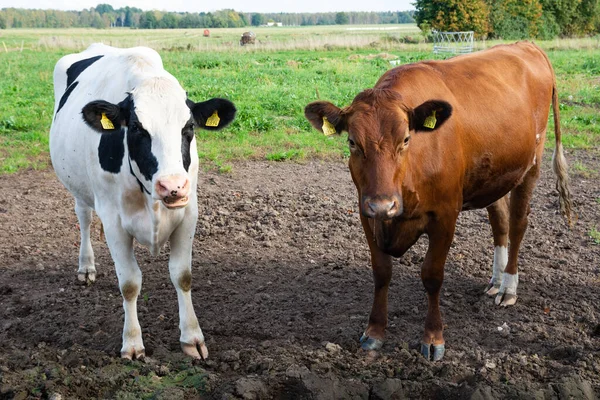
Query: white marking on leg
x=509, y=283
x=500, y=261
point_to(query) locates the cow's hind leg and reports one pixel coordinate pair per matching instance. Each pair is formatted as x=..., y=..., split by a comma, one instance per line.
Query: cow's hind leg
x=519, y=210
x=180, y=270
x=87, y=267
x=498, y=214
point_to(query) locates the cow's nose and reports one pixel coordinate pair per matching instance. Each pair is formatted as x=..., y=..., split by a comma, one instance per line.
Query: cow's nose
x=381, y=207
x=172, y=186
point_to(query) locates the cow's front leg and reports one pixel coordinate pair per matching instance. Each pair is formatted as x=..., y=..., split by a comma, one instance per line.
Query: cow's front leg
x=432, y=275
x=381, y=263
x=180, y=269
x=120, y=244
x=87, y=266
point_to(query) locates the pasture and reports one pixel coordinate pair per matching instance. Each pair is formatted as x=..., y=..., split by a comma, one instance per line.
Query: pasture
x=282, y=284
x=270, y=83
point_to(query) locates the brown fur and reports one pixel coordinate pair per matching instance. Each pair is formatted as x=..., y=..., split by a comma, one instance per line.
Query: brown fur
x=492, y=109
x=129, y=291
x=185, y=281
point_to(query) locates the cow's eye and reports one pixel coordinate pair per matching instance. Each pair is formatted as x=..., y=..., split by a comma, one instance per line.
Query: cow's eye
x=351, y=143
x=406, y=140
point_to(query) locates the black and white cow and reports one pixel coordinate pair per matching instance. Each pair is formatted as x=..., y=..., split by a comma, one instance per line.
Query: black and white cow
x=122, y=142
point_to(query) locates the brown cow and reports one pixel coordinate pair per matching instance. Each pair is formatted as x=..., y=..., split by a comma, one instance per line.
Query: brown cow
x=437, y=137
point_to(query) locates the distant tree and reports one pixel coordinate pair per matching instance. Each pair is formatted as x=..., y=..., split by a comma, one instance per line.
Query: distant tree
x=257, y=19
x=169, y=21
x=452, y=15
x=2, y=22
x=190, y=20
x=587, y=20
x=97, y=21
x=104, y=8
x=341, y=18
x=148, y=20
x=515, y=19
x=405, y=17
x=574, y=17
x=128, y=17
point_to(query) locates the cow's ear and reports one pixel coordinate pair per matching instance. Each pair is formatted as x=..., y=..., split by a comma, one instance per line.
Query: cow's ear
x=104, y=117
x=325, y=117
x=430, y=115
x=213, y=114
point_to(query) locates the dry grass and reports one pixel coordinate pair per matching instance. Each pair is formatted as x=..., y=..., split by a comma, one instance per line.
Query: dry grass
x=381, y=37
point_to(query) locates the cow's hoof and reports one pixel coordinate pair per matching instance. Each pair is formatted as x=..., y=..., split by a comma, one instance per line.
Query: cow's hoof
x=369, y=343
x=505, y=299
x=491, y=289
x=192, y=350
x=433, y=352
x=134, y=354
x=87, y=277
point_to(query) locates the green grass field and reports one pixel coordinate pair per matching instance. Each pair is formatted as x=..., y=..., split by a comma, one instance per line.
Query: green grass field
x=270, y=83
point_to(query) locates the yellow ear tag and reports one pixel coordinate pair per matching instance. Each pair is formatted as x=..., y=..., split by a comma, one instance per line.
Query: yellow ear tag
x=106, y=123
x=430, y=121
x=213, y=120
x=328, y=128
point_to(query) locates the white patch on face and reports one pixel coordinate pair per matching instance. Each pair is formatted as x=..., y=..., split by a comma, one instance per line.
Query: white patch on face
x=500, y=261
x=537, y=138
x=509, y=283
x=160, y=105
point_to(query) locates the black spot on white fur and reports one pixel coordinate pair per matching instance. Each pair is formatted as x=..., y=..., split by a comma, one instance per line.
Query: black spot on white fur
x=78, y=67
x=65, y=96
x=139, y=144
x=111, y=151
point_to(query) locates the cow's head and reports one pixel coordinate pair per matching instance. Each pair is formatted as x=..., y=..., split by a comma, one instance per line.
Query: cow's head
x=158, y=122
x=379, y=127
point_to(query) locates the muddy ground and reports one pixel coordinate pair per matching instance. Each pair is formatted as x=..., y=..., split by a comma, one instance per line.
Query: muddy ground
x=282, y=288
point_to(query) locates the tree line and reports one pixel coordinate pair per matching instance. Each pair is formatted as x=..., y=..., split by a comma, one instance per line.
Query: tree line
x=105, y=16
x=511, y=19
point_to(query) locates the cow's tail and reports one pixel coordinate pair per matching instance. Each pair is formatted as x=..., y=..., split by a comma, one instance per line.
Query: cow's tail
x=559, y=163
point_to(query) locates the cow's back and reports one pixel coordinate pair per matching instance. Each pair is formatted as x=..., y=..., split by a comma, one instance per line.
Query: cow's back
x=506, y=79
x=501, y=100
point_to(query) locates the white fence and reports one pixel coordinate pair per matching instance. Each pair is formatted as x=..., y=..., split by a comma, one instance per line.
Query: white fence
x=452, y=42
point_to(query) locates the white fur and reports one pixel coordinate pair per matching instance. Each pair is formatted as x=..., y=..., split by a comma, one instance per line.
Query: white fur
x=509, y=283
x=124, y=210
x=500, y=261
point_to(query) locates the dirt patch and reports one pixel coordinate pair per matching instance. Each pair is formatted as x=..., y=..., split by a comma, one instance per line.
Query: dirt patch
x=282, y=288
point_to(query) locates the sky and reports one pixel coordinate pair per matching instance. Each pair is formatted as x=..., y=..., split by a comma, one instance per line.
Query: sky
x=262, y=6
